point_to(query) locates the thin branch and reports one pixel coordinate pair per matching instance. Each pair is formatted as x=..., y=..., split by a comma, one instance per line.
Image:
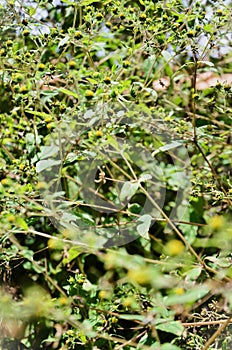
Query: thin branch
x=205, y=323
x=128, y=342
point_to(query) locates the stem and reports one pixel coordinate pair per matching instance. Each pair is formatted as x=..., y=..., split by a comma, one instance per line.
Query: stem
x=200, y=324
x=10, y=155
x=75, y=15
x=128, y=342
x=194, y=79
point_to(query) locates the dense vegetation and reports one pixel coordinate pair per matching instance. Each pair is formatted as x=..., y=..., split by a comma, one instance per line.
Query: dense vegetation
x=115, y=175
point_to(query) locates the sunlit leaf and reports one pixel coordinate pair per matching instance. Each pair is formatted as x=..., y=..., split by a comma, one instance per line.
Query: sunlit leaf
x=145, y=177
x=39, y=114
x=128, y=190
x=173, y=327
x=22, y=223
x=48, y=151
x=190, y=296
x=166, y=55
x=143, y=228
x=69, y=92
x=45, y=164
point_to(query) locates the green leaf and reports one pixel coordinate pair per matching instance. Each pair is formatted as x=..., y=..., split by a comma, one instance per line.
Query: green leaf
x=152, y=92
x=168, y=346
x=32, y=11
x=39, y=114
x=71, y=158
x=168, y=70
x=48, y=151
x=167, y=147
x=68, y=92
x=2, y=163
x=63, y=41
x=148, y=63
x=220, y=262
x=190, y=296
x=145, y=177
x=27, y=253
x=194, y=273
x=206, y=63
x=208, y=92
x=208, y=28
x=174, y=327
x=143, y=228
x=128, y=190
x=45, y=164
x=134, y=208
x=184, y=66
x=21, y=223
x=92, y=81
x=166, y=55
x=87, y=2
x=73, y=253
x=132, y=317
x=113, y=142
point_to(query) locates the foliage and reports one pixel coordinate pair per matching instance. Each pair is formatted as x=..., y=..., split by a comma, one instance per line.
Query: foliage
x=115, y=175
